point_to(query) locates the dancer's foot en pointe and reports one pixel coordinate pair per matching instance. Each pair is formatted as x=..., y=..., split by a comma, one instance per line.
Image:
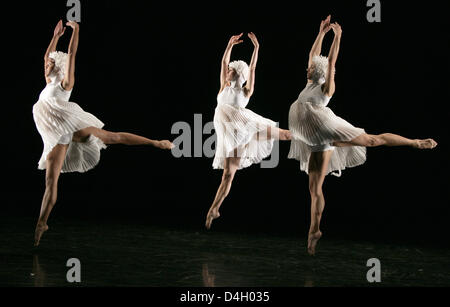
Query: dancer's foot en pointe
x=164, y=144
x=425, y=144
x=313, y=238
x=40, y=229
x=212, y=215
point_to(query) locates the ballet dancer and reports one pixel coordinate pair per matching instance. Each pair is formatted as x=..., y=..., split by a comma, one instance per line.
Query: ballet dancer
x=243, y=137
x=72, y=137
x=323, y=142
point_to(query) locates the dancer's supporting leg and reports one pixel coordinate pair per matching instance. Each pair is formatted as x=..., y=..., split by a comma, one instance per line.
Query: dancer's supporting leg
x=55, y=160
x=318, y=167
x=231, y=165
x=387, y=139
x=119, y=138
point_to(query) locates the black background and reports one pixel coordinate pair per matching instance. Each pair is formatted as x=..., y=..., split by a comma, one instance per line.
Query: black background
x=142, y=66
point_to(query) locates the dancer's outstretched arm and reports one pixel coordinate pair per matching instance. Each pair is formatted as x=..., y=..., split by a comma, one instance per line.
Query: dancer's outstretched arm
x=69, y=77
x=329, y=86
x=57, y=33
x=317, y=46
x=234, y=40
x=250, y=86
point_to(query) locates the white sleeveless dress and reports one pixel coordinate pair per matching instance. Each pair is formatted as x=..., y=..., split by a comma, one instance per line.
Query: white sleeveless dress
x=236, y=129
x=57, y=119
x=314, y=127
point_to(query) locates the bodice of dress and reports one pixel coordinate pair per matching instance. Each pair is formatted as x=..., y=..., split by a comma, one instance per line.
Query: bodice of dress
x=234, y=96
x=54, y=89
x=313, y=93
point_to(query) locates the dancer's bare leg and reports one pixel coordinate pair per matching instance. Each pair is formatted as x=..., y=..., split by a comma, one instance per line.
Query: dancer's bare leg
x=119, y=138
x=230, y=167
x=55, y=160
x=274, y=133
x=318, y=167
x=387, y=139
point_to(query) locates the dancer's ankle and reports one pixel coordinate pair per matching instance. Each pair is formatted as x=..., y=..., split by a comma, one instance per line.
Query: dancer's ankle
x=41, y=223
x=314, y=232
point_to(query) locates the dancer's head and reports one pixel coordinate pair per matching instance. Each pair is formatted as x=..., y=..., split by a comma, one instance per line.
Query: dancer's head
x=56, y=63
x=318, y=69
x=238, y=72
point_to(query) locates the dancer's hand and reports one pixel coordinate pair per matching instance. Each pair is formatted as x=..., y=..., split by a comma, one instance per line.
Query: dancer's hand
x=234, y=40
x=336, y=29
x=325, y=25
x=59, y=30
x=254, y=40
x=72, y=24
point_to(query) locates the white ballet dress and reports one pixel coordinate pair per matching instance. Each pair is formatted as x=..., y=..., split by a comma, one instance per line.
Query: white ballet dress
x=314, y=127
x=237, y=129
x=57, y=119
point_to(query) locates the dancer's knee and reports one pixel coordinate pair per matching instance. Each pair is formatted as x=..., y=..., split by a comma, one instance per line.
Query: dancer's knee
x=227, y=175
x=287, y=135
x=315, y=186
x=284, y=135
x=315, y=190
x=116, y=137
x=373, y=140
x=52, y=175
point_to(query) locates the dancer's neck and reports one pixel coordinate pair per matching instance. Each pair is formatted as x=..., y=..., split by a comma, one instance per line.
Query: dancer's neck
x=234, y=84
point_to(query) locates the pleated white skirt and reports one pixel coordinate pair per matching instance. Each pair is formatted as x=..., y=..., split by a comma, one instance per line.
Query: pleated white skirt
x=313, y=125
x=55, y=118
x=237, y=130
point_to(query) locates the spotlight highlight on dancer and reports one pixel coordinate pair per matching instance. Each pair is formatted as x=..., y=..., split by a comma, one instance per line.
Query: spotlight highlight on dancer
x=243, y=137
x=72, y=137
x=322, y=142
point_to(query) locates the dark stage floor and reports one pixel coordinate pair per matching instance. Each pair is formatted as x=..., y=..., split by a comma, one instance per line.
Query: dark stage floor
x=126, y=254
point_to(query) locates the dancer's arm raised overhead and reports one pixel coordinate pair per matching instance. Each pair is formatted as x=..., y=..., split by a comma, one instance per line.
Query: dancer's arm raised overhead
x=69, y=77
x=317, y=46
x=329, y=86
x=49, y=63
x=234, y=40
x=249, y=87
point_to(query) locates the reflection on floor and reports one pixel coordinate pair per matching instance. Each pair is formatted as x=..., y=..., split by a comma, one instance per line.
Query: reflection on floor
x=144, y=255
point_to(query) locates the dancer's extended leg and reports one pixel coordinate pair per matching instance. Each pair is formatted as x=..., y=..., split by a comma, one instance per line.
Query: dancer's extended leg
x=119, y=138
x=274, y=133
x=387, y=139
x=318, y=167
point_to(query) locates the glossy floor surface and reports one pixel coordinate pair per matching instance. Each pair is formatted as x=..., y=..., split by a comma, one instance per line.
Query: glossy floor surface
x=137, y=254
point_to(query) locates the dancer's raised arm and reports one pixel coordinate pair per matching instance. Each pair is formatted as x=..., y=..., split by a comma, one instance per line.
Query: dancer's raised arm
x=234, y=40
x=57, y=33
x=317, y=46
x=251, y=77
x=69, y=77
x=329, y=86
